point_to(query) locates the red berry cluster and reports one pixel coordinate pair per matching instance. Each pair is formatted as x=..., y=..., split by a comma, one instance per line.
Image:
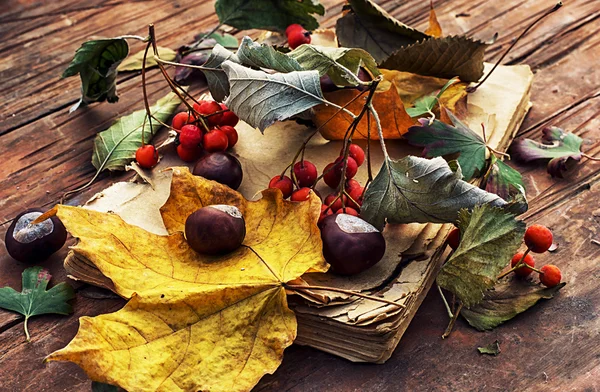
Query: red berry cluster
x=297, y=35
x=538, y=239
x=305, y=174
x=210, y=128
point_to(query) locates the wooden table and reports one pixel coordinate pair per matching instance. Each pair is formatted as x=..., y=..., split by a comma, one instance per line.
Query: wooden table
x=46, y=151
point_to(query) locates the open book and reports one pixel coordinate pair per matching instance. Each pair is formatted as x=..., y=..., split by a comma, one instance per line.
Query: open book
x=350, y=327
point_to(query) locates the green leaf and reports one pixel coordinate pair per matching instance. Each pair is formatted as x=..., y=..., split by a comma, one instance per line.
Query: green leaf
x=490, y=349
x=508, y=299
x=226, y=40
x=426, y=104
x=490, y=236
x=34, y=300
x=134, y=62
x=218, y=84
x=440, y=139
x=260, y=99
x=96, y=63
x=275, y=15
x=335, y=62
x=420, y=190
x=557, y=145
x=116, y=147
x=441, y=57
x=370, y=27
x=503, y=180
x=258, y=55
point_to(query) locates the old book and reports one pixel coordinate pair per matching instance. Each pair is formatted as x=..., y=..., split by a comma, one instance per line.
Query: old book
x=357, y=329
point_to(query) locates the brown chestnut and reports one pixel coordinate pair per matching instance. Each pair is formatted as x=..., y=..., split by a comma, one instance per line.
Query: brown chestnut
x=33, y=243
x=350, y=244
x=215, y=229
x=221, y=167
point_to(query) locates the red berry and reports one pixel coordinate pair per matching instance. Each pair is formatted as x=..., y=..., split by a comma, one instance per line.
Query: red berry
x=334, y=176
x=538, y=238
x=356, y=152
x=229, y=118
x=146, y=156
x=550, y=275
x=523, y=271
x=337, y=204
x=189, y=154
x=306, y=173
x=351, y=184
x=206, y=108
x=293, y=27
x=180, y=119
x=284, y=184
x=324, y=212
x=351, y=166
x=190, y=136
x=298, y=37
x=453, y=238
x=357, y=195
x=301, y=194
x=232, y=135
x=347, y=210
x=215, y=141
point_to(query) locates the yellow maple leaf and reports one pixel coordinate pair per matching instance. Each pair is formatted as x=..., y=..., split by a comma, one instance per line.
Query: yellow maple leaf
x=193, y=322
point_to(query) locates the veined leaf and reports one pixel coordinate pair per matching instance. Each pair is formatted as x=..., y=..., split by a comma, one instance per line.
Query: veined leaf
x=490, y=236
x=134, y=62
x=420, y=190
x=225, y=40
x=335, y=62
x=370, y=27
x=426, y=104
x=503, y=180
x=116, y=147
x=260, y=99
x=441, y=139
x=258, y=55
x=508, y=299
x=218, y=84
x=275, y=15
x=96, y=62
x=557, y=145
x=441, y=57
x=34, y=299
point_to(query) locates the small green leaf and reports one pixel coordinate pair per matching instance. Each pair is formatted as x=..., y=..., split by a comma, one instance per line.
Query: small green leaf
x=134, y=62
x=275, y=15
x=370, y=27
x=509, y=298
x=440, y=139
x=34, y=300
x=260, y=98
x=490, y=236
x=218, y=84
x=445, y=57
x=335, y=62
x=420, y=190
x=426, y=104
x=258, y=55
x=96, y=62
x=503, y=180
x=490, y=349
x=116, y=147
x=226, y=40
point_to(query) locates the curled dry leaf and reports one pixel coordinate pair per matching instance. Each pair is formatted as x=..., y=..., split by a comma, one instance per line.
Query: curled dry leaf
x=193, y=322
x=434, y=29
x=135, y=61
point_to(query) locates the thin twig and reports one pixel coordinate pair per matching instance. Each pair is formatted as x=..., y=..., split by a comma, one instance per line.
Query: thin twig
x=445, y=302
x=452, y=322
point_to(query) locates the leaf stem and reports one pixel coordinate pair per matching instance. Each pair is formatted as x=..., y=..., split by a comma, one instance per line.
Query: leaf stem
x=26, y=329
x=348, y=292
x=445, y=301
x=158, y=59
x=550, y=11
x=591, y=158
x=448, y=330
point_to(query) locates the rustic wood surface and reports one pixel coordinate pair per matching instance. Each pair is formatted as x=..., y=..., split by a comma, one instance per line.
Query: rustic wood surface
x=47, y=151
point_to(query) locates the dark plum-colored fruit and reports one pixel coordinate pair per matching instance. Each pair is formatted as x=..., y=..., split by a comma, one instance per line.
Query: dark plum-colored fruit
x=350, y=244
x=215, y=229
x=221, y=167
x=33, y=243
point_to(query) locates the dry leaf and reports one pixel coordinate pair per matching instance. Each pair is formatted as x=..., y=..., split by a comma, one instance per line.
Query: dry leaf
x=434, y=29
x=397, y=91
x=194, y=322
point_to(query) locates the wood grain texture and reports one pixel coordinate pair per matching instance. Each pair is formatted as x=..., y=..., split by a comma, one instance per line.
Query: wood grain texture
x=46, y=151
